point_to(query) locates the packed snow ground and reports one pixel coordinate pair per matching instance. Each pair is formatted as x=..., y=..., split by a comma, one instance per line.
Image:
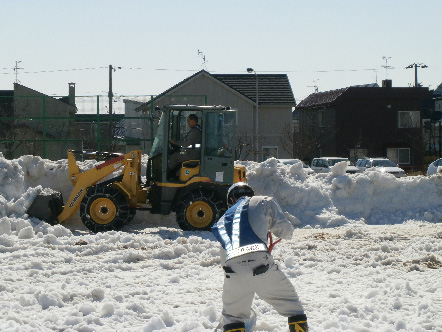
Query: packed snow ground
x=366, y=255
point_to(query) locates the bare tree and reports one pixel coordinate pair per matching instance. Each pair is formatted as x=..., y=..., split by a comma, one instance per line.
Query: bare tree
x=245, y=145
x=300, y=144
x=10, y=137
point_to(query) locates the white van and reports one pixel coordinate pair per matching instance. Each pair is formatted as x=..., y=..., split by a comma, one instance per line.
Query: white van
x=295, y=161
x=323, y=165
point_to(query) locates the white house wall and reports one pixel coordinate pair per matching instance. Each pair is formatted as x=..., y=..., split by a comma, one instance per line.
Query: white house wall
x=275, y=124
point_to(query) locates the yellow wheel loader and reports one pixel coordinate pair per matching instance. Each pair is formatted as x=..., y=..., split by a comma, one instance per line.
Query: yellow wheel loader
x=109, y=194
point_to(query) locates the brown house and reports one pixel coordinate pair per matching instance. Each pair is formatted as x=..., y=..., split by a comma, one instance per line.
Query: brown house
x=361, y=121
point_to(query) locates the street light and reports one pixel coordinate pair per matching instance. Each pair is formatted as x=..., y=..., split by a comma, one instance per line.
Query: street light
x=415, y=65
x=251, y=70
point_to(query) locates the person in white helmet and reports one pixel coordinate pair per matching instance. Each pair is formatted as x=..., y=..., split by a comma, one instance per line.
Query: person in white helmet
x=249, y=268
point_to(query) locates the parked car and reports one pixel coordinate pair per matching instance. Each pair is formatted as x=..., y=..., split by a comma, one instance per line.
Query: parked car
x=384, y=165
x=295, y=161
x=433, y=167
x=323, y=164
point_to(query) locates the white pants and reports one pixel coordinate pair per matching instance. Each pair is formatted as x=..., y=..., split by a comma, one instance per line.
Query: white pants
x=272, y=286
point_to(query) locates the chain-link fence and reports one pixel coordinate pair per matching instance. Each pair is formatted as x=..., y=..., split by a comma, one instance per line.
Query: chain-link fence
x=36, y=124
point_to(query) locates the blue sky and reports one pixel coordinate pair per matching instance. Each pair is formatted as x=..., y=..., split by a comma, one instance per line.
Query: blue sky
x=323, y=43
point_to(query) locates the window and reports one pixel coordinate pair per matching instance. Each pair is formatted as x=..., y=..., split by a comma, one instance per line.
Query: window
x=219, y=140
x=399, y=155
x=409, y=119
x=403, y=156
x=157, y=147
x=319, y=163
x=269, y=152
x=322, y=118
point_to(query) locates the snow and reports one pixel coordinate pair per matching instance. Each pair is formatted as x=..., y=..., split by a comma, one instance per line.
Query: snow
x=366, y=255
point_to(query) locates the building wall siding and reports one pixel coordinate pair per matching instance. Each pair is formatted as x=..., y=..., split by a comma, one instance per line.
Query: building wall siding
x=367, y=118
x=30, y=107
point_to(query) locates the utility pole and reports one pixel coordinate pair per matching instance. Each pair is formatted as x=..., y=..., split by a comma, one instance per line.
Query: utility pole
x=415, y=65
x=111, y=97
x=251, y=70
x=110, y=94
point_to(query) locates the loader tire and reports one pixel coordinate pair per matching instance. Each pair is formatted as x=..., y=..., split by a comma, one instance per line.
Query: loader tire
x=105, y=208
x=198, y=211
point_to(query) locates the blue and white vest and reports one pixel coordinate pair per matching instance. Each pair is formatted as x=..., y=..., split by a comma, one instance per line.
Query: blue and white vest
x=234, y=232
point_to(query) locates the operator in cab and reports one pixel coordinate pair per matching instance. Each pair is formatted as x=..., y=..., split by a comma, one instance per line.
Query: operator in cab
x=191, y=144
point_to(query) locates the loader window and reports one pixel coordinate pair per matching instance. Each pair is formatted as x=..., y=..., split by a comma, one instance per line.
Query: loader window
x=219, y=134
x=157, y=146
x=178, y=124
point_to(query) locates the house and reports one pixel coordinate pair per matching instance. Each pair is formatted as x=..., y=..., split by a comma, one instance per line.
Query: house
x=34, y=123
x=432, y=125
x=263, y=127
x=138, y=130
x=437, y=96
x=367, y=121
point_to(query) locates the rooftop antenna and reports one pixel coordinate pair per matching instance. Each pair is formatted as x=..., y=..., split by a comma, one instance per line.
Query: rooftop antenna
x=386, y=66
x=203, y=65
x=314, y=86
x=16, y=68
x=415, y=66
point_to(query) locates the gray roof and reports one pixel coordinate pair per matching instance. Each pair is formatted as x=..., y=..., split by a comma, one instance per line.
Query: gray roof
x=370, y=92
x=321, y=98
x=273, y=89
x=438, y=90
x=328, y=97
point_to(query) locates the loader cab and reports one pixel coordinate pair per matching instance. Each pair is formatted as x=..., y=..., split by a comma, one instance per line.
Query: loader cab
x=215, y=157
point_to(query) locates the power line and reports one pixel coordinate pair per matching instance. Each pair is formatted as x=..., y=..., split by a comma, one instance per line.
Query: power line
x=53, y=71
x=185, y=70
x=94, y=68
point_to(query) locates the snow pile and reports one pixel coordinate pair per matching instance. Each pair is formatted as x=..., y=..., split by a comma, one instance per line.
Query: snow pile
x=336, y=198
x=319, y=200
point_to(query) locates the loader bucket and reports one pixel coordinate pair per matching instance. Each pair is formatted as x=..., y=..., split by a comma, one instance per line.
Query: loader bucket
x=47, y=206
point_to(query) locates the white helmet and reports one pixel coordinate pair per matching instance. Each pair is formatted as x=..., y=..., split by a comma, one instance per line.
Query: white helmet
x=238, y=190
